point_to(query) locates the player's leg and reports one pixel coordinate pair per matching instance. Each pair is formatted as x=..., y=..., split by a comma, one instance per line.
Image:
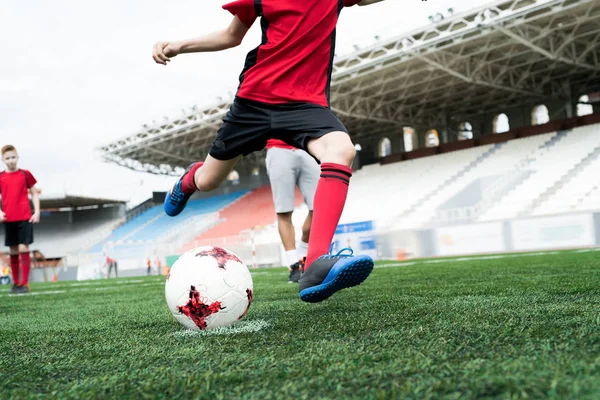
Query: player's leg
x=308, y=179
x=200, y=176
x=325, y=273
x=323, y=135
x=243, y=132
x=11, y=240
x=288, y=238
x=25, y=239
x=287, y=235
x=302, y=247
x=306, y=232
x=15, y=267
x=25, y=257
x=210, y=174
x=282, y=176
x=336, y=153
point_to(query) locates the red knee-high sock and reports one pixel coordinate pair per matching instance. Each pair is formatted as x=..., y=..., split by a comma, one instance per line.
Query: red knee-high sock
x=330, y=198
x=188, y=186
x=25, y=267
x=14, y=268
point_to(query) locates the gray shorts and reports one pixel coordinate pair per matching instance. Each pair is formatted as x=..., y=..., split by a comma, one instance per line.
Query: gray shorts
x=288, y=168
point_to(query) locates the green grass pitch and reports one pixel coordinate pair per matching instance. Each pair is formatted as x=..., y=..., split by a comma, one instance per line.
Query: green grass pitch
x=523, y=326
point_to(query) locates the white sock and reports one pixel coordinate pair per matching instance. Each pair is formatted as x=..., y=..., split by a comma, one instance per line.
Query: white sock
x=302, y=250
x=292, y=256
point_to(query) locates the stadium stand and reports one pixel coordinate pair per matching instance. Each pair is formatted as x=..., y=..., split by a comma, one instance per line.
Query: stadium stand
x=521, y=172
x=154, y=226
x=66, y=230
x=412, y=180
x=571, y=190
x=591, y=199
x=500, y=158
x=256, y=210
x=164, y=224
x=551, y=168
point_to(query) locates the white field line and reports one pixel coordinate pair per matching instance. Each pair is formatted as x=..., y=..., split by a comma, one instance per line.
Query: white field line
x=94, y=283
x=474, y=258
x=242, y=327
x=86, y=289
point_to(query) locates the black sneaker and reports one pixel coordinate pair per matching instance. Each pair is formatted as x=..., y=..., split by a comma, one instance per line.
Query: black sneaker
x=331, y=273
x=296, y=272
x=22, y=289
x=14, y=289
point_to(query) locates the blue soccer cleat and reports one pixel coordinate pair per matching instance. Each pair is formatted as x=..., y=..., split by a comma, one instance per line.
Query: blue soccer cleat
x=332, y=273
x=176, y=200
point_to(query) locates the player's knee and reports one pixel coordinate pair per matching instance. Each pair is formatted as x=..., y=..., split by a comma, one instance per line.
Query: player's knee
x=343, y=154
x=284, y=218
x=14, y=250
x=23, y=248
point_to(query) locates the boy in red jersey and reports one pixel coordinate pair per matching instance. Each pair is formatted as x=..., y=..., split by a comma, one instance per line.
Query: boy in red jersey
x=15, y=184
x=283, y=94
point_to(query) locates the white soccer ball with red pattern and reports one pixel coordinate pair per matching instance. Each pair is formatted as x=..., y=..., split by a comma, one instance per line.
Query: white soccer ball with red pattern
x=209, y=287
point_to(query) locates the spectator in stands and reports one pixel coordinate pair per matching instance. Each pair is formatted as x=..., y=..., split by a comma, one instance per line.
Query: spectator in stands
x=110, y=264
x=15, y=186
x=288, y=166
x=283, y=94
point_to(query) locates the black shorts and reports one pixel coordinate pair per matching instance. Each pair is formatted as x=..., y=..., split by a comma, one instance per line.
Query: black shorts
x=249, y=124
x=19, y=232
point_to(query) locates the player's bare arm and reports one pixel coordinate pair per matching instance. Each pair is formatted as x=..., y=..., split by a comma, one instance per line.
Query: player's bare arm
x=35, y=198
x=224, y=39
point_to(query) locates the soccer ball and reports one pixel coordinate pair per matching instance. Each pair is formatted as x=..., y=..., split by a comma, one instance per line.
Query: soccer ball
x=208, y=287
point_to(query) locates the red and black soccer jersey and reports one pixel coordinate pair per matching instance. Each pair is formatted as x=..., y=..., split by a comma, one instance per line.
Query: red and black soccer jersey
x=295, y=59
x=280, y=144
x=15, y=198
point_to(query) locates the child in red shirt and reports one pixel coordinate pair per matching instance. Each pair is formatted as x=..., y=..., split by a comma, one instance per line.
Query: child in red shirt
x=15, y=186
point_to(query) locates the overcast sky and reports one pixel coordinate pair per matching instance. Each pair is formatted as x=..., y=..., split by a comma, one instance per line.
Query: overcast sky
x=79, y=74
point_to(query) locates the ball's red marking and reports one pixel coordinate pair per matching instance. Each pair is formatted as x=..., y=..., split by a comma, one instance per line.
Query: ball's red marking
x=219, y=254
x=197, y=310
x=250, y=297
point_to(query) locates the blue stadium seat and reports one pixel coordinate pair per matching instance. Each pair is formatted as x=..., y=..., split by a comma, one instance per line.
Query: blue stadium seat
x=152, y=223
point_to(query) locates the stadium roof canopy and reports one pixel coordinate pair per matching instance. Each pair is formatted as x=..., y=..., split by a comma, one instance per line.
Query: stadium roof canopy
x=75, y=202
x=505, y=53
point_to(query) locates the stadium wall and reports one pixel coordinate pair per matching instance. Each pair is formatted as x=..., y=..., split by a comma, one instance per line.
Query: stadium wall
x=513, y=133
x=47, y=274
x=555, y=232
x=483, y=126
